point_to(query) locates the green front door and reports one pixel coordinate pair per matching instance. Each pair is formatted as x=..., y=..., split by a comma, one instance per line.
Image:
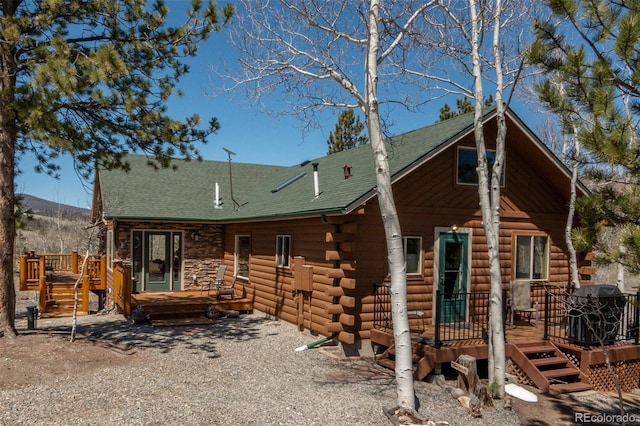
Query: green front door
x=453, y=277
x=157, y=261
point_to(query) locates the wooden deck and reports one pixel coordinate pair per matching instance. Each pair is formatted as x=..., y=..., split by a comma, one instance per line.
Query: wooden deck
x=190, y=307
x=550, y=365
x=53, y=277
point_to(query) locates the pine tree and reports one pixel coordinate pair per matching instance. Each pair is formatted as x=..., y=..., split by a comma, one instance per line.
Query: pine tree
x=347, y=133
x=595, y=49
x=464, y=106
x=90, y=78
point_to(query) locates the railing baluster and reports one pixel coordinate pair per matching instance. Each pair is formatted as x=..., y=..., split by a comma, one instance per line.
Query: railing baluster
x=437, y=342
x=636, y=321
x=547, y=311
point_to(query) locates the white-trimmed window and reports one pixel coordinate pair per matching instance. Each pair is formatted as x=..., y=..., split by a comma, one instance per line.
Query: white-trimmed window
x=242, y=256
x=413, y=254
x=532, y=257
x=283, y=251
x=468, y=165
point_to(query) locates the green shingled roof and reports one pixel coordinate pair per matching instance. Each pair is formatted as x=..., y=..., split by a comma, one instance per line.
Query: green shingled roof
x=187, y=193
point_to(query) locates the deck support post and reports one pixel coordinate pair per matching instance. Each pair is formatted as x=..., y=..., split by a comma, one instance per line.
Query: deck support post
x=23, y=272
x=74, y=262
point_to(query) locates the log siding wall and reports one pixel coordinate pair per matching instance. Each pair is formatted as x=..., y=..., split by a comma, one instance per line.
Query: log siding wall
x=427, y=199
x=348, y=253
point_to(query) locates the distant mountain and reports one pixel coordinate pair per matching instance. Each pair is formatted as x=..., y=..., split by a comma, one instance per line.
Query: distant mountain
x=50, y=208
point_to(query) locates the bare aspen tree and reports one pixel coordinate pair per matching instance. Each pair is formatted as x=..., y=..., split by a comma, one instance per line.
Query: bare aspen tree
x=489, y=193
x=329, y=53
x=552, y=93
x=478, y=43
x=469, y=63
x=76, y=286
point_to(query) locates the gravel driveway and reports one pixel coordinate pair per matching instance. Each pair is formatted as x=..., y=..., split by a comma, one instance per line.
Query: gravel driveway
x=239, y=371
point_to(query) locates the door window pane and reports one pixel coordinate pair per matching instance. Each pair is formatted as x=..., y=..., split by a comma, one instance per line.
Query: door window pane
x=156, y=257
x=452, y=268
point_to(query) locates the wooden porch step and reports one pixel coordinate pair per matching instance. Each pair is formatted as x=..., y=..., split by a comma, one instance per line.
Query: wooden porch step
x=570, y=387
x=386, y=362
x=546, y=365
x=544, y=362
x=538, y=349
x=561, y=372
x=182, y=322
x=65, y=313
x=423, y=361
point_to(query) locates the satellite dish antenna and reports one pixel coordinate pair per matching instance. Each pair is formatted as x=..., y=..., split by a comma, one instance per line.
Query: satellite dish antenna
x=236, y=205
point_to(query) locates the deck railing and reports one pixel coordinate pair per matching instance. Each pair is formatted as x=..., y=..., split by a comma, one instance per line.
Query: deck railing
x=465, y=316
x=459, y=317
x=35, y=267
x=38, y=273
x=122, y=286
x=591, y=321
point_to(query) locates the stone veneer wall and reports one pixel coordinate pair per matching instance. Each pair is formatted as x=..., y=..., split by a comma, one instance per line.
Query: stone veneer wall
x=200, y=259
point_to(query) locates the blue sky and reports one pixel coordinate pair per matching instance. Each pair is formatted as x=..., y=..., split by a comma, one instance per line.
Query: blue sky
x=253, y=135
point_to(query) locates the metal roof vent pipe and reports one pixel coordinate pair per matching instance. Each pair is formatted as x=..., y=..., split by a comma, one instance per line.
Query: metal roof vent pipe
x=316, y=185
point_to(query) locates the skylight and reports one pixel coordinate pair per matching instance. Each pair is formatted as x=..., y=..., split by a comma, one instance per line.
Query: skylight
x=288, y=182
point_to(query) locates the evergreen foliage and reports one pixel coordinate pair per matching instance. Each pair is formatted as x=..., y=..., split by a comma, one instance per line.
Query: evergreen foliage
x=347, y=133
x=91, y=78
x=594, y=48
x=464, y=106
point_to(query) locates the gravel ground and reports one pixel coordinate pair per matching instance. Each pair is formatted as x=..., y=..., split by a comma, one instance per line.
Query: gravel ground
x=239, y=371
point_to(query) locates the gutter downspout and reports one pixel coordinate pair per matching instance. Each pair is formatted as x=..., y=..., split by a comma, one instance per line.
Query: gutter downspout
x=316, y=343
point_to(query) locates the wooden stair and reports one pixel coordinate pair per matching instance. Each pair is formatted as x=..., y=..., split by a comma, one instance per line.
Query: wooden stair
x=548, y=368
x=60, y=299
x=423, y=360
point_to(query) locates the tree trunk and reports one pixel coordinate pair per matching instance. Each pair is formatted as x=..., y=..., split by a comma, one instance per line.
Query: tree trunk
x=489, y=195
x=7, y=228
x=395, y=251
x=8, y=132
x=573, y=262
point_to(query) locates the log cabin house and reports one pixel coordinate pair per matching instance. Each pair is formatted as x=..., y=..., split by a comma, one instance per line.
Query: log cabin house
x=306, y=243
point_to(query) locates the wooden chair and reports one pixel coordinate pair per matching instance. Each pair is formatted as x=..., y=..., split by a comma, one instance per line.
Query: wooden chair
x=226, y=290
x=520, y=300
x=217, y=282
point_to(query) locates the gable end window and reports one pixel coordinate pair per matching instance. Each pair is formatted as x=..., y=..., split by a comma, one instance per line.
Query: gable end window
x=532, y=257
x=467, y=173
x=413, y=254
x=283, y=248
